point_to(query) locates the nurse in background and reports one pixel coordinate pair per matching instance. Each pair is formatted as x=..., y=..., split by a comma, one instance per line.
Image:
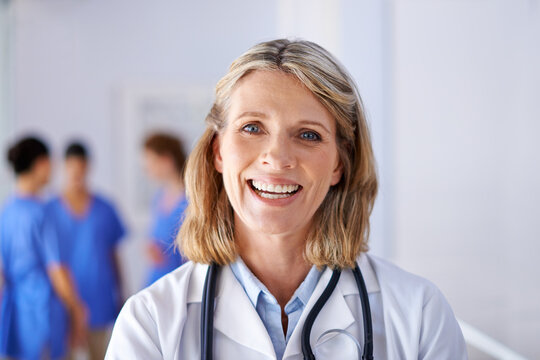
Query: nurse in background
x=164, y=160
x=32, y=325
x=88, y=230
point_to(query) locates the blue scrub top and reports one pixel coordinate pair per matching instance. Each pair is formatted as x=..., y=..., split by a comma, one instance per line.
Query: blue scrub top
x=87, y=245
x=165, y=226
x=31, y=317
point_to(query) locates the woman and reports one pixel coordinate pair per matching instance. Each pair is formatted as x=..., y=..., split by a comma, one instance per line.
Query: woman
x=164, y=160
x=31, y=320
x=281, y=187
x=88, y=230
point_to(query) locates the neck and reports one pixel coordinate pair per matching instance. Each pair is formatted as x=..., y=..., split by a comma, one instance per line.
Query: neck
x=26, y=186
x=276, y=260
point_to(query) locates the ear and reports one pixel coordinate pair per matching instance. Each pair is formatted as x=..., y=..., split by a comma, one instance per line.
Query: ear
x=337, y=173
x=218, y=160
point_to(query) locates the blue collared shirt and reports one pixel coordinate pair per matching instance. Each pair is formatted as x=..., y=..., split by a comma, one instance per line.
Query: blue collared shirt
x=267, y=306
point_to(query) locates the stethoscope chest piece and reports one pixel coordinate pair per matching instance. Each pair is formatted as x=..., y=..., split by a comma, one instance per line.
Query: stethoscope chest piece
x=207, y=314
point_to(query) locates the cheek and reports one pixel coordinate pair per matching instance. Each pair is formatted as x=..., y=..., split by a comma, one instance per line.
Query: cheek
x=160, y=168
x=236, y=154
x=321, y=166
x=45, y=172
x=150, y=167
x=46, y=169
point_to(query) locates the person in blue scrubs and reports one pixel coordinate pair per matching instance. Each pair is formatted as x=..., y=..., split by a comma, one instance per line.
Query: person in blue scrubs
x=164, y=162
x=32, y=323
x=88, y=231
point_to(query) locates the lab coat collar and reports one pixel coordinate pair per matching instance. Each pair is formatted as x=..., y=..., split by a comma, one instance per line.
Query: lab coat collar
x=348, y=287
x=236, y=317
x=336, y=313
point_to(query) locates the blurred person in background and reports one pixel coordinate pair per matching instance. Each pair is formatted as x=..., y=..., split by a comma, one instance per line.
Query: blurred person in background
x=88, y=231
x=32, y=321
x=164, y=160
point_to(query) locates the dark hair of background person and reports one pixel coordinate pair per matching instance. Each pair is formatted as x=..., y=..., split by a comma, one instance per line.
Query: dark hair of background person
x=76, y=149
x=167, y=145
x=24, y=153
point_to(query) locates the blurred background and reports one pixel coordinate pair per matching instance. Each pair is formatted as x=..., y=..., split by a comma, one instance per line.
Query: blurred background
x=451, y=88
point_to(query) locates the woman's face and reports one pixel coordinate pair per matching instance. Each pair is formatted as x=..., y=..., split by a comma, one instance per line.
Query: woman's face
x=158, y=167
x=277, y=153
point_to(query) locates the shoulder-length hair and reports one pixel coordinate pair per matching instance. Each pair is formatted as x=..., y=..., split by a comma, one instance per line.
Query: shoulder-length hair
x=342, y=220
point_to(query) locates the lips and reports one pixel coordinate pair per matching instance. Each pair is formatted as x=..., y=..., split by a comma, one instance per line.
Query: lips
x=274, y=191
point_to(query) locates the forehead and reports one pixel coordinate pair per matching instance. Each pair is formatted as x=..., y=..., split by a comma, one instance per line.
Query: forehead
x=74, y=159
x=276, y=93
x=155, y=157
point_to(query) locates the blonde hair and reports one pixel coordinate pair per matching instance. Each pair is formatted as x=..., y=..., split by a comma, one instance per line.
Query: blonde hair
x=342, y=231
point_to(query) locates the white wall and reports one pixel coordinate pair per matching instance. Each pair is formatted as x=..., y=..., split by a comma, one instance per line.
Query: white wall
x=5, y=185
x=466, y=155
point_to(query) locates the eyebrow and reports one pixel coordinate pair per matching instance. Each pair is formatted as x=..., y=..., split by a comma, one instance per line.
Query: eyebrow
x=251, y=114
x=263, y=115
x=316, y=123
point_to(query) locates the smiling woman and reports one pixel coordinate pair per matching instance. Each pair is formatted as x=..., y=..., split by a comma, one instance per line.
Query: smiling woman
x=298, y=105
x=280, y=188
x=276, y=150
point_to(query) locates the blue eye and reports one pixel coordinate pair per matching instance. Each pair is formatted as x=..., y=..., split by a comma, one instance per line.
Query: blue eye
x=251, y=128
x=310, y=136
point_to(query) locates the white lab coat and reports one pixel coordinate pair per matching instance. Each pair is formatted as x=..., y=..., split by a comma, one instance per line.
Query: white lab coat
x=411, y=319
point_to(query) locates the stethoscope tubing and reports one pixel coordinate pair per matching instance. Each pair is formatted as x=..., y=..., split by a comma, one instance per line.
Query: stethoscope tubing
x=207, y=313
x=366, y=314
x=310, y=319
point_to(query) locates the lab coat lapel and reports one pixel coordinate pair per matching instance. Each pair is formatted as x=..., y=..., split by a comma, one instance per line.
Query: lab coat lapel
x=336, y=313
x=236, y=317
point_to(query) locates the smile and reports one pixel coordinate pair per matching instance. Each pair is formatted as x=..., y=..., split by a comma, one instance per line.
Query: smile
x=274, y=191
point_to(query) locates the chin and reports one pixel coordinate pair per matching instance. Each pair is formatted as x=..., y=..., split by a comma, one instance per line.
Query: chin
x=276, y=226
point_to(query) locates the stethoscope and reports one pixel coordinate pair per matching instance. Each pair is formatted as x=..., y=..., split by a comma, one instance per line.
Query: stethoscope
x=207, y=313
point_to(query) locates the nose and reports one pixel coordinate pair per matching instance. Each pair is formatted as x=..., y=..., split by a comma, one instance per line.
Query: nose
x=279, y=153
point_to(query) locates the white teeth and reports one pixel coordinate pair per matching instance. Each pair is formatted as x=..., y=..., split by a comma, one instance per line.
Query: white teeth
x=282, y=189
x=274, y=196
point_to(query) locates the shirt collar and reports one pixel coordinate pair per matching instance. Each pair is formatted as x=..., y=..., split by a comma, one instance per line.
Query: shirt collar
x=254, y=287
